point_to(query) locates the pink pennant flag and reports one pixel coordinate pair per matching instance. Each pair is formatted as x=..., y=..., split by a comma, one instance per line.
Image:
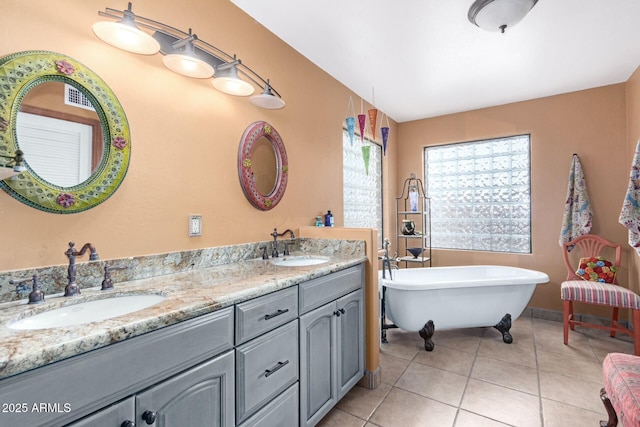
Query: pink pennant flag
x=362, y=121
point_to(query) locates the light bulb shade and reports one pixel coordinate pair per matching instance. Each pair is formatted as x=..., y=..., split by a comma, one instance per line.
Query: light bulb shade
x=267, y=100
x=497, y=15
x=227, y=81
x=127, y=36
x=188, y=65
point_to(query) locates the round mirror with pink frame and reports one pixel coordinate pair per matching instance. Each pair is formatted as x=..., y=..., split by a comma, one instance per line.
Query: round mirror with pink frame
x=262, y=165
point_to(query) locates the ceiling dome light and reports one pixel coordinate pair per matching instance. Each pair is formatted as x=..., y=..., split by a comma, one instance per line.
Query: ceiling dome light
x=498, y=15
x=126, y=35
x=267, y=99
x=226, y=80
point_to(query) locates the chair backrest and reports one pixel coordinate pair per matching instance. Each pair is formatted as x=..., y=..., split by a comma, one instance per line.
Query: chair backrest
x=589, y=245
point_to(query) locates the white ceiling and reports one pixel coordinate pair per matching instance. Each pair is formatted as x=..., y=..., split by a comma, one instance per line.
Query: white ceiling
x=422, y=58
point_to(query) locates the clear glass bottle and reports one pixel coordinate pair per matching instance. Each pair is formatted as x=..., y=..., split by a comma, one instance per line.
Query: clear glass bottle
x=413, y=198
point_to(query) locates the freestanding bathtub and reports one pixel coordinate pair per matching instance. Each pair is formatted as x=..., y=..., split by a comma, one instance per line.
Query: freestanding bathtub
x=422, y=299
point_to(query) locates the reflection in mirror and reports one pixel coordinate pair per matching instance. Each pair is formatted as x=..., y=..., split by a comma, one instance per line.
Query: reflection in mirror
x=264, y=166
x=61, y=131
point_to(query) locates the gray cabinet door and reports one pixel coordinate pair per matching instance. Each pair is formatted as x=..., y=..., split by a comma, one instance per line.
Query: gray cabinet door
x=111, y=416
x=350, y=349
x=318, y=387
x=202, y=396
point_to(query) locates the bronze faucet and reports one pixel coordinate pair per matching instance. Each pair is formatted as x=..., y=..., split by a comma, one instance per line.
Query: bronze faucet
x=275, y=235
x=107, y=283
x=36, y=296
x=72, y=288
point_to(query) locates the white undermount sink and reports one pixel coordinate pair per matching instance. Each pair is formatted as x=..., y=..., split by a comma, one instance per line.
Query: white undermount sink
x=299, y=261
x=87, y=312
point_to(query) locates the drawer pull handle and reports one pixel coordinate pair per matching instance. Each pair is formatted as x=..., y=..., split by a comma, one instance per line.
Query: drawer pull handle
x=149, y=417
x=277, y=313
x=275, y=368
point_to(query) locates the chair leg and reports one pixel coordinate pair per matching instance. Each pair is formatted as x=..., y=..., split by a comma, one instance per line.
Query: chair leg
x=611, y=412
x=614, y=321
x=566, y=310
x=636, y=332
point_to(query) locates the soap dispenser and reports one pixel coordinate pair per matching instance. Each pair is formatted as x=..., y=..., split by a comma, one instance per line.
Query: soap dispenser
x=328, y=219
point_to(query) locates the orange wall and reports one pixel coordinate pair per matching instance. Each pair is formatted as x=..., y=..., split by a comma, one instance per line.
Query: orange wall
x=185, y=136
x=591, y=123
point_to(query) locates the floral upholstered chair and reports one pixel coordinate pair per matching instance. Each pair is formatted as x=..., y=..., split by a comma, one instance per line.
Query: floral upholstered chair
x=593, y=279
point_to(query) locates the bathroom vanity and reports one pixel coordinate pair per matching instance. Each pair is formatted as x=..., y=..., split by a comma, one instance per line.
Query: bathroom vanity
x=267, y=346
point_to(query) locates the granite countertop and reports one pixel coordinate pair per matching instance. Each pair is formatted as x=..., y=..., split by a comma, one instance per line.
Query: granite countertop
x=188, y=294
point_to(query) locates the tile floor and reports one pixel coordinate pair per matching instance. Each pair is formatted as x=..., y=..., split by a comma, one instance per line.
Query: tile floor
x=473, y=379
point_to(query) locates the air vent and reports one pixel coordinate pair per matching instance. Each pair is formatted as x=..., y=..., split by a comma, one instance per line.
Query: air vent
x=73, y=96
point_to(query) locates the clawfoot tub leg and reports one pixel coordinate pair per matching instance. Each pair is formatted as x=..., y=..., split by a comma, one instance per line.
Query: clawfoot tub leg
x=504, y=326
x=426, y=333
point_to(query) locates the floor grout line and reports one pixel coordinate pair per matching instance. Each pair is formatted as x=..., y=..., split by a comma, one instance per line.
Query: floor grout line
x=491, y=360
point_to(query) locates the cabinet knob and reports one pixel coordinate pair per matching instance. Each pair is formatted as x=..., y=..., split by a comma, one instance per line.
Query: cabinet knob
x=128, y=423
x=149, y=417
x=341, y=310
x=336, y=313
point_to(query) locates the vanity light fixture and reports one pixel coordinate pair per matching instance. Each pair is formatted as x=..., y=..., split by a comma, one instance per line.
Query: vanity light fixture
x=498, y=15
x=125, y=34
x=186, y=54
x=6, y=171
x=227, y=81
x=186, y=62
x=266, y=99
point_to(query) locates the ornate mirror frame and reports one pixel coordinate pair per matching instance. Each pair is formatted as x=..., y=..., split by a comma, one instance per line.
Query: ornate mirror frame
x=251, y=135
x=20, y=72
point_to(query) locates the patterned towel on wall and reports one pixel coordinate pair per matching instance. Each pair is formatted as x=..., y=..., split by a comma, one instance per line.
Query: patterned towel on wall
x=577, y=208
x=630, y=213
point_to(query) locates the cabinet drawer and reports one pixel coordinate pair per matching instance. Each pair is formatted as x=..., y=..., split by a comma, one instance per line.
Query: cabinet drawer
x=265, y=367
x=316, y=292
x=260, y=315
x=280, y=412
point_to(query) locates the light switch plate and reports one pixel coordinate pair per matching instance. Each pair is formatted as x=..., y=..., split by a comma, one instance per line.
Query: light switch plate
x=195, y=225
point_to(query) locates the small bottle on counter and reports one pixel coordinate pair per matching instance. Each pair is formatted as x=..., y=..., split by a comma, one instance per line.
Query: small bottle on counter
x=319, y=222
x=328, y=219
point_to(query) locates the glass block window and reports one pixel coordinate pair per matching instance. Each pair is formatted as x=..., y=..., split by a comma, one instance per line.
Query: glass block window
x=362, y=191
x=480, y=194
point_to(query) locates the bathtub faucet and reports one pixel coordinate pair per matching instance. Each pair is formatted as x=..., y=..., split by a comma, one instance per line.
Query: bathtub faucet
x=386, y=261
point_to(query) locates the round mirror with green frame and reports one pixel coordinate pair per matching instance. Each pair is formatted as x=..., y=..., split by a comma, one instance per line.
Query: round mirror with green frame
x=22, y=72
